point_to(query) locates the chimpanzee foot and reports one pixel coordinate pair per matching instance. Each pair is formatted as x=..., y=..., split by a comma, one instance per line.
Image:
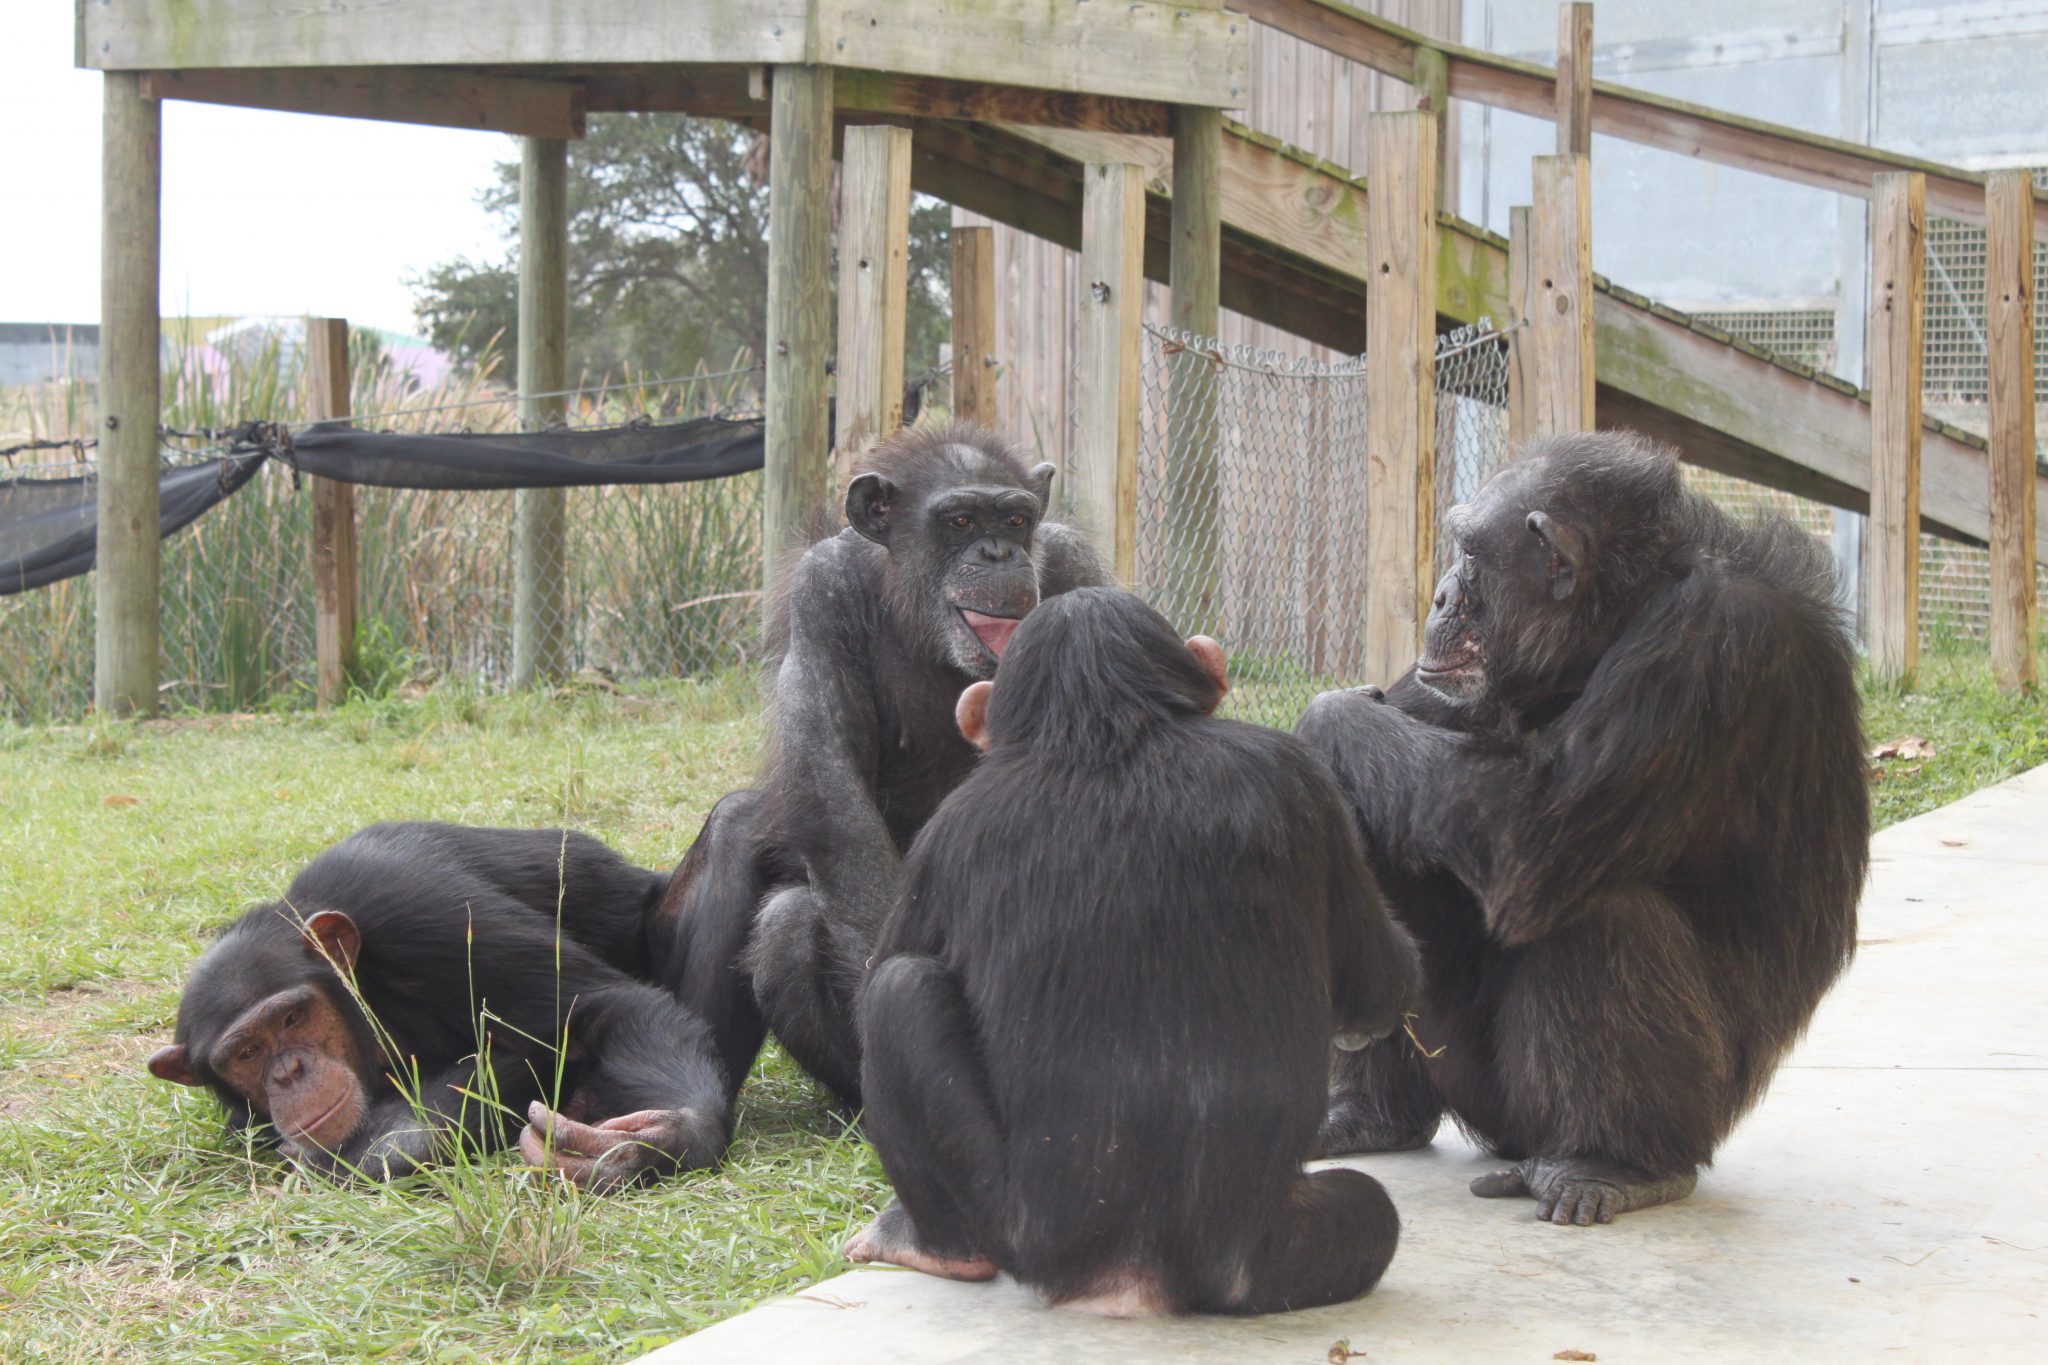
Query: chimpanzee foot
x=892, y=1240
x=634, y=1147
x=1351, y=1127
x=1581, y=1191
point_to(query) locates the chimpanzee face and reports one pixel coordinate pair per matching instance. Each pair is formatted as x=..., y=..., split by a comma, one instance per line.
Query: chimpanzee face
x=961, y=568
x=290, y=1054
x=1503, y=615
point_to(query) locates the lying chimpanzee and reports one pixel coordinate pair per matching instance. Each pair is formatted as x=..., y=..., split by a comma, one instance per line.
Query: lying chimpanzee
x=1620, y=802
x=1097, y=1026
x=443, y=931
x=876, y=630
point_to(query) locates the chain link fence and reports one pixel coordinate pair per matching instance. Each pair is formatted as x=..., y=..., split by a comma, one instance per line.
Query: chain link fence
x=1252, y=499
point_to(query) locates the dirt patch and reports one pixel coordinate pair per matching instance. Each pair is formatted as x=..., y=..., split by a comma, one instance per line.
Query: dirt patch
x=70, y=1038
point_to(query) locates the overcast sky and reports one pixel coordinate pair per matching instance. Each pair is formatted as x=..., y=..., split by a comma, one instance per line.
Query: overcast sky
x=262, y=212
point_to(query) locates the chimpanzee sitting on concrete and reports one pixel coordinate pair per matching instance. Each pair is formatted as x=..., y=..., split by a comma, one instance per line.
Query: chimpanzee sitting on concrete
x=1097, y=1026
x=354, y=1019
x=876, y=630
x=1621, y=804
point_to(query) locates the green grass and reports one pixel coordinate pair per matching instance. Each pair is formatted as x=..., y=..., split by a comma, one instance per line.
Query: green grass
x=128, y=1229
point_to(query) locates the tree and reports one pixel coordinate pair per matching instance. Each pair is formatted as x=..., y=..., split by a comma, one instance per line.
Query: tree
x=668, y=255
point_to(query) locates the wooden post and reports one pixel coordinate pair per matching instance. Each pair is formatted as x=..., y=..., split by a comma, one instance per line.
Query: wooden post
x=1102, y=480
x=1574, y=80
x=874, y=280
x=1400, y=385
x=1560, y=295
x=1432, y=82
x=2009, y=309
x=1193, y=507
x=540, y=520
x=334, y=517
x=974, y=324
x=125, y=588
x=1521, y=351
x=1898, y=265
x=799, y=294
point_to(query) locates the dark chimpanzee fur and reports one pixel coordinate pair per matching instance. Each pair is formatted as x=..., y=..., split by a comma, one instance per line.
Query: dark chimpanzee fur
x=875, y=631
x=437, y=925
x=1621, y=803
x=1097, y=1025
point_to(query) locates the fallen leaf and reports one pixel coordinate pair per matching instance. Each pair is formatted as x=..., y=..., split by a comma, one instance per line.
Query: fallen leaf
x=119, y=800
x=1912, y=746
x=1575, y=1355
x=1340, y=1351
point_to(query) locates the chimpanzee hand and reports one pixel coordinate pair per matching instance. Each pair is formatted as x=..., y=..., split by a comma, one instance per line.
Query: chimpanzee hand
x=647, y=1145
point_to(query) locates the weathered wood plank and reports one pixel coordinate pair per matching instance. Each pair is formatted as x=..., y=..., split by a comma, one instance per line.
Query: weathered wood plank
x=974, y=324
x=1560, y=292
x=1632, y=115
x=1521, y=363
x=1432, y=81
x=1143, y=49
x=1194, y=512
x=1104, y=486
x=334, y=518
x=125, y=582
x=2009, y=310
x=886, y=92
x=1573, y=102
x=1400, y=378
x=427, y=95
x=540, y=516
x=799, y=295
x=1896, y=330
x=874, y=275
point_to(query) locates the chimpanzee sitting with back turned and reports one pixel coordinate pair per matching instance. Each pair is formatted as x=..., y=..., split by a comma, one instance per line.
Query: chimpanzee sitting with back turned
x=875, y=630
x=1096, y=1028
x=1620, y=802
x=439, y=927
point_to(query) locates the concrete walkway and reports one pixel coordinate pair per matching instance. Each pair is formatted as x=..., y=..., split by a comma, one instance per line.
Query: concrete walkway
x=1887, y=1201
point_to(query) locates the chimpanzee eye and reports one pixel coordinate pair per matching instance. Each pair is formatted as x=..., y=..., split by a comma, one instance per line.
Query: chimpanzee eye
x=247, y=1054
x=1016, y=519
x=963, y=521
x=295, y=1018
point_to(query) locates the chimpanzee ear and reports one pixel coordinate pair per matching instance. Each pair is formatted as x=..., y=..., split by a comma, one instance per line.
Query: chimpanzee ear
x=337, y=938
x=971, y=713
x=1041, y=484
x=870, y=499
x=1567, y=553
x=1209, y=655
x=171, y=1064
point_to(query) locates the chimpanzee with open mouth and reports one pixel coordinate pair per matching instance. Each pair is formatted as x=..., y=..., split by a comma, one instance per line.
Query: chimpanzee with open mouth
x=874, y=632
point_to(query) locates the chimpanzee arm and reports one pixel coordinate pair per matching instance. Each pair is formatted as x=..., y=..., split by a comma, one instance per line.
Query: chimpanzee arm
x=1649, y=750
x=1375, y=972
x=827, y=738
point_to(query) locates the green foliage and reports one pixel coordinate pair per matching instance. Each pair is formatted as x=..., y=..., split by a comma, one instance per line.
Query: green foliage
x=668, y=253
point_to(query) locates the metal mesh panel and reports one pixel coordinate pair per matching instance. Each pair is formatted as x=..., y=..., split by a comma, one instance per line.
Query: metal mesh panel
x=1803, y=334
x=1252, y=500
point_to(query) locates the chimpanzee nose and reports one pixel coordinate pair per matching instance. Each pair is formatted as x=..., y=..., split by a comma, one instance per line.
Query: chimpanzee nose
x=289, y=1069
x=997, y=551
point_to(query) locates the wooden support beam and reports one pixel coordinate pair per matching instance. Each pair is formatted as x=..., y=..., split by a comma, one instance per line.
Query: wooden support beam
x=428, y=95
x=2009, y=310
x=1574, y=101
x=1560, y=297
x=974, y=324
x=891, y=94
x=1898, y=266
x=1103, y=490
x=125, y=588
x=1521, y=358
x=1631, y=115
x=1400, y=383
x=874, y=280
x=1432, y=81
x=799, y=292
x=334, y=518
x=540, y=516
x=1193, y=515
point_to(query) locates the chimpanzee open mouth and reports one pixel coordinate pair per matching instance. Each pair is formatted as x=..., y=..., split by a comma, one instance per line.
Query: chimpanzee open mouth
x=994, y=632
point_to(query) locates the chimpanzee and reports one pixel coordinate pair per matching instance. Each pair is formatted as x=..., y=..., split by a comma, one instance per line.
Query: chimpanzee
x=874, y=632
x=345, y=1018
x=1096, y=1028
x=1620, y=801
